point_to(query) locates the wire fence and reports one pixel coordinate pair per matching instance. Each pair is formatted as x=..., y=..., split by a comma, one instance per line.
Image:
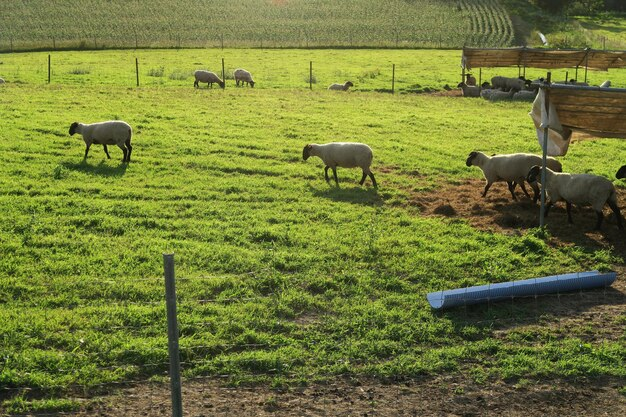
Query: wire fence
x=187, y=357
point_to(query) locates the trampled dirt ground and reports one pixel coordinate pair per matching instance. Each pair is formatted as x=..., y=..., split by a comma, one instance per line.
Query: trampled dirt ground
x=455, y=395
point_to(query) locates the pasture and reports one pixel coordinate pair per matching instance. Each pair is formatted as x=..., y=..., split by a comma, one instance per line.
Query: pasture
x=283, y=280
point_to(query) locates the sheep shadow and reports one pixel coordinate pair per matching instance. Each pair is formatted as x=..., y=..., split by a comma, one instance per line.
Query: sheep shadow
x=354, y=195
x=102, y=169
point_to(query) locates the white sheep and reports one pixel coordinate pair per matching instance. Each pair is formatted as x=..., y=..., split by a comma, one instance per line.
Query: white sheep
x=508, y=83
x=113, y=132
x=2, y=81
x=580, y=189
x=606, y=84
x=341, y=87
x=208, y=77
x=243, y=76
x=469, y=90
x=525, y=95
x=342, y=154
x=621, y=173
x=511, y=168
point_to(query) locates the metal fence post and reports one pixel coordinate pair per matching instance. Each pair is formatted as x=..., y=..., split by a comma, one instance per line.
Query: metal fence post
x=137, y=70
x=49, y=68
x=393, y=78
x=172, y=335
x=311, y=75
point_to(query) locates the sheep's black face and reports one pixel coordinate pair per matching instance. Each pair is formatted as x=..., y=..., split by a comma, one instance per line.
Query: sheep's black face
x=73, y=128
x=533, y=174
x=306, y=152
x=621, y=173
x=470, y=158
x=251, y=83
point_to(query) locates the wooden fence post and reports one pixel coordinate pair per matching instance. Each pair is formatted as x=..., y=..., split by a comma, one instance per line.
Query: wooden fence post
x=172, y=335
x=49, y=68
x=311, y=75
x=137, y=70
x=393, y=78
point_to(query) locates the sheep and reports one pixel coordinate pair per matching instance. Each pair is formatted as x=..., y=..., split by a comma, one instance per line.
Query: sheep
x=621, y=173
x=2, y=81
x=113, y=132
x=579, y=189
x=606, y=84
x=243, y=76
x=208, y=77
x=341, y=87
x=507, y=83
x=469, y=90
x=525, y=95
x=496, y=95
x=470, y=80
x=342, y=154
x=511, y=168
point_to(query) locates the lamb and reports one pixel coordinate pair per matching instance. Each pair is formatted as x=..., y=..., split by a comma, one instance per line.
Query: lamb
x=208, y=77
x=511, y=168
x=113, y=132
x=341, y=87
x=621, y=173
x=606, y=84
x=342, y=154
x=525, y=95
x=579, y=189
x=507, y=83
x=497, y=95
x=243, y=76
x=469, y=90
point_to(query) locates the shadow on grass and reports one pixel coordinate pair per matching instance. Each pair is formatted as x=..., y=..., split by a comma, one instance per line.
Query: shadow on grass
x=547, y=310
x=102, y=169
x=354, y=195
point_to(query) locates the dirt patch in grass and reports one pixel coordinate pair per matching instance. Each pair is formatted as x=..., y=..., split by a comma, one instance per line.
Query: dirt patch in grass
x=440, y=396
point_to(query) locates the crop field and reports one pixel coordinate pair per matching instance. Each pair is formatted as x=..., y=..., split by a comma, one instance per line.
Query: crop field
x=283, y=280
x=91, y=24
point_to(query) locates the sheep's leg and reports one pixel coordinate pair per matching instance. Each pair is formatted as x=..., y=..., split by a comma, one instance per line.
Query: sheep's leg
x=523, y=187
x=547, y=208
x=87, y=150
x=487, y=188
x=106, y=151
x=123, y=148
x=363, y=178
x=568, y=208
x=618, y=215
x=535, y=188
x=511, y=185
x=130, y=149
x=335, y=175
x=373, y=180
x=600, y=218
x=196, y=84
x=326, y=173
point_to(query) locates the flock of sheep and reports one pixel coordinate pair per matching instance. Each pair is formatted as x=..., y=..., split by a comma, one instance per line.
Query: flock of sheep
x=514, y=169
x=509, y=88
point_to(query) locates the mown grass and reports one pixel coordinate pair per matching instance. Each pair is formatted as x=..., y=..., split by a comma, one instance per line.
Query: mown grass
x=281, y=277
x=253, y=23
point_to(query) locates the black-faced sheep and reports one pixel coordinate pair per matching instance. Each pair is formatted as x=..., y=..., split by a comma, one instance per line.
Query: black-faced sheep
x=113, y=132
x=580, y=189
x=243, y=76
x=512, y=168
x=469, y=90
x=208, y=77
x=341, y=87
x=342, y=154
x=621, y=173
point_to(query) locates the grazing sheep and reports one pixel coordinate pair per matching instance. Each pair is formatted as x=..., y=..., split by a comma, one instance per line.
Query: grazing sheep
x=2, y=81
x=606, y=84
x=621, y=173
x=469, y=90
x=341, y=87
x=342, y=154
x=507, y=83
x=243, y=76
x=208, y=77
x=113, y=132
x=579, y=189
x=511, y=168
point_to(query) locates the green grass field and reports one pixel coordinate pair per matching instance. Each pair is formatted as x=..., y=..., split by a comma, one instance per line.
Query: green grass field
x=281, y=277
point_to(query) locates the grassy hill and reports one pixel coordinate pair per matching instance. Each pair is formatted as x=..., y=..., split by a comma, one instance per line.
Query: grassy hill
x=253, y=23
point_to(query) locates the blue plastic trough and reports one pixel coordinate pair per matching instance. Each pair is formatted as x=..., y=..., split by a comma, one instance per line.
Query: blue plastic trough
x=529, y=287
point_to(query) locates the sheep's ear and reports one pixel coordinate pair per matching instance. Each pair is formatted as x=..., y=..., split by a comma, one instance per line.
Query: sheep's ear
x=471, y=156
